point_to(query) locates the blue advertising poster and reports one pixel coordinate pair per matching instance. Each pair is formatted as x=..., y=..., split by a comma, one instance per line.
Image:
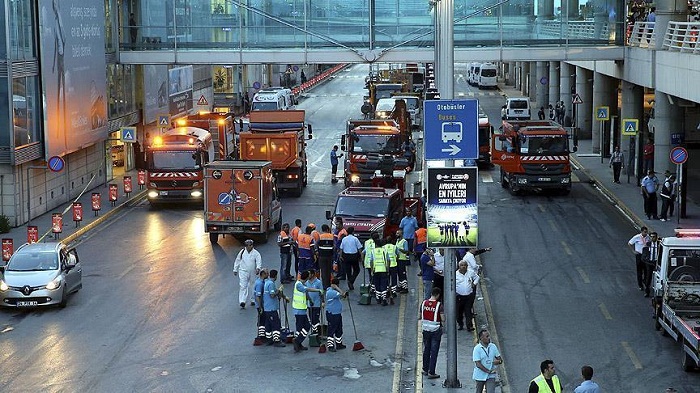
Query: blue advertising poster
x=452, y=127
x=452, y=207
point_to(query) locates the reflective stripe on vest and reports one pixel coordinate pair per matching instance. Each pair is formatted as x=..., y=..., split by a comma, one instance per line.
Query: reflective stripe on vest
x=542, y=384
x=285, y=239
x=378, y=261
x=299, y=299
x=402, y=245
x=391, y=254
x=430, y=315
x=369, y=246
x=325, y=242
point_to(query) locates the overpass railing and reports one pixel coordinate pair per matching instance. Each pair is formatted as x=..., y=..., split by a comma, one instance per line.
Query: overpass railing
x=682, y=37
x=642, y=35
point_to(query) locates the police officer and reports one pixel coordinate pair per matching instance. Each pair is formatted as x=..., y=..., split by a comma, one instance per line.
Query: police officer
x=326, y=245
x=392, y=254
x=379, y=264
x=284, y=241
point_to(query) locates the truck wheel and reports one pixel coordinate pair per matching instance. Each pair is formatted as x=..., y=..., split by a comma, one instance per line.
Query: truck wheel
x=688, y=363
x=213, y=238
x=513, y=189
x=504, y=183
x=299, y=190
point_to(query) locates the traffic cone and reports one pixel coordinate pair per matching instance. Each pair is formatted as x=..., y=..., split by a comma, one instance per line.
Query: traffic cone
x=258, y=342
x=322, y=348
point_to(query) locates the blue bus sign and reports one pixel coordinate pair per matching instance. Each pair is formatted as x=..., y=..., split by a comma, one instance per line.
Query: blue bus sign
x=451, y=126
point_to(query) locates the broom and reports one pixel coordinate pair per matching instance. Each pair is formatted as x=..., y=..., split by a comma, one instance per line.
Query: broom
x=357, y=346
x=322, y=347
x=289, y=338
x=258, y=340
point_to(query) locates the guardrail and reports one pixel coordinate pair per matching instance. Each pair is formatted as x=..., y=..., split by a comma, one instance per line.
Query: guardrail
x=682, y=37
x=575, y=29
x=317, y=79
x=642, y=35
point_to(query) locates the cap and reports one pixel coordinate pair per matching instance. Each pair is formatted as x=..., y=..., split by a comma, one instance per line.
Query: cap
x=248, y=242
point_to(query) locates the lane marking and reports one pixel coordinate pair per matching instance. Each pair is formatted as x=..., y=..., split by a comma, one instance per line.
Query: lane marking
x=541, y=207
x=583, y=275
x=319, y=177
x=486, y=178
x=574, y=178
x=567, y=250
x=605, y=311
x=632, y=355
x=419, y=343
x=553, y=225
x=398, y=355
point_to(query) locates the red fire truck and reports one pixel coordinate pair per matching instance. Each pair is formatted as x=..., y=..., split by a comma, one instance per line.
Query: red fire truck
x=174, y=162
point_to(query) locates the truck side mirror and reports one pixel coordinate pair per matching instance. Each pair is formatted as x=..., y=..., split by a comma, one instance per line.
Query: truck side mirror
x=310, y=131
x=328, y=215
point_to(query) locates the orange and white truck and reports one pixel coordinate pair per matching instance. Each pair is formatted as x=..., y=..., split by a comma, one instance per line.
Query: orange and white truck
x=532, y=155
x=174, y=162
x=240, y=199
x=220, y=126
x=279, y=137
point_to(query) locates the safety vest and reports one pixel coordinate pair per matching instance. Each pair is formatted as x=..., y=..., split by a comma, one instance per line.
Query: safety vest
x=378, y=260
x=286, y=245
x=339, y=236
x=421, y=236
x=542, y=384
x=430, y=315
x=402, y=245
x=295, y=233
x=325, y=244
x=304, y=244
x=299, y=298
x=369, y=247
x=390, y=250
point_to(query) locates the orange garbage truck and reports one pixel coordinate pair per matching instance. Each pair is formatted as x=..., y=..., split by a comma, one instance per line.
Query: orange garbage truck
x=222, y=130
x=279, y=137
x=174, y=162
x=240, y=199
x=532, y=155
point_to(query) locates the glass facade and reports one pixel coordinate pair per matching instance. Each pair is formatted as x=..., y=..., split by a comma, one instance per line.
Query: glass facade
x=265, y=24
x=121, y=87
x=25, y=111
x=21, y=32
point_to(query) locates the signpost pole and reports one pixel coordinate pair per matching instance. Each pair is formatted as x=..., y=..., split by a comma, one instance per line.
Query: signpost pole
x=602, y=140
x=679, y=176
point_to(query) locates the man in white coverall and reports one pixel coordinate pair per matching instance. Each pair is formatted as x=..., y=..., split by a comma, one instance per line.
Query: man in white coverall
x=247, y=266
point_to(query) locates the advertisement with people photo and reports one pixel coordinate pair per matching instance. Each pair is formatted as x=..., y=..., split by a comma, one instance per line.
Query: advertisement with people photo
x=452, y=207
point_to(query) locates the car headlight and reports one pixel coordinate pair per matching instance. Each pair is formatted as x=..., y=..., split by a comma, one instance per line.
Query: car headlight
x=355, y=178
x=54, y=284
x=153, y=194
x=196, y=193
x=3, y=286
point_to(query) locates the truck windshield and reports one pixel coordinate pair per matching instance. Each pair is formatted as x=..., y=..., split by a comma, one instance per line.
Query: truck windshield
x=411, y=103
x=178, y=159
x=376, y=144
x=362, y=207
x=544, y=145
x=264, y=106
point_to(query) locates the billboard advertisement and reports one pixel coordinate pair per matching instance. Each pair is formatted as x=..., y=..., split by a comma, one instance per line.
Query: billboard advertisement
x=73, y=73
x=180, y=82
x=155, y=90
x=452, y=207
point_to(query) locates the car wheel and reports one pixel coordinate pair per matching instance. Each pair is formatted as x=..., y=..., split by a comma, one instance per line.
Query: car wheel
x=504, y=183
x=64, y=298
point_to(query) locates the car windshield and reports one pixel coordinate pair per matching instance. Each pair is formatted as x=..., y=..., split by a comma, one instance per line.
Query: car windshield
x=173, y=159
x=544, y=145
x=33, y=261
x=376, y=144
x=362, y=207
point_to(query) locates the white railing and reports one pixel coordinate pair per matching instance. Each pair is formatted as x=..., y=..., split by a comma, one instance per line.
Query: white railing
x=682, y=37
x=575, y=29
x=642, y=35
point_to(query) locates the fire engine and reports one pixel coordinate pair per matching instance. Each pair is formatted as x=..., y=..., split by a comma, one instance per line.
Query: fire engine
x=174, y=162
x=533, y=155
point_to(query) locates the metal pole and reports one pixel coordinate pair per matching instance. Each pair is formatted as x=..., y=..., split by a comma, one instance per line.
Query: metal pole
x=602, y=141
x=445, y=46
x=371, y=24
x=450, y=300
x=679, y=175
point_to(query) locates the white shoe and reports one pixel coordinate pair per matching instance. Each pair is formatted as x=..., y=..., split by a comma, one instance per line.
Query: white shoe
x=662, y=219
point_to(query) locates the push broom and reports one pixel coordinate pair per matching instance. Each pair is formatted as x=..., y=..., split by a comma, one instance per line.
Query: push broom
x=357, y=346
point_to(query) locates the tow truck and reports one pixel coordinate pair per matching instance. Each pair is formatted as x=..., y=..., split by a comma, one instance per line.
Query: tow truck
x=676, y=290
x=533, y=155
x=174, y=162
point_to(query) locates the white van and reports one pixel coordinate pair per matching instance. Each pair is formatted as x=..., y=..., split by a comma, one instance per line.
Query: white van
x=487, y=76
x=473, y=73
x=273, y=99
x=516, y=108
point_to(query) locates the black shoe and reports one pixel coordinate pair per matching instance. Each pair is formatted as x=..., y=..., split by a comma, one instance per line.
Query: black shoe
x=278, y=344
x=425, y=372
x=391, y=300
x=460, y=327
x=433, y=376
x=470, y=329
x=296, y=347
x=303, y=348
x=384, y=303
x=341, y=346
x=351, y=286
x=242, y=304
x=646, y=295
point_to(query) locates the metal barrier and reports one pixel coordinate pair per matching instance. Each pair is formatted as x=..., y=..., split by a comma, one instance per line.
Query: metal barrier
x=575, y=29
x=317, y=79
x=682, y=37
x=643, y=35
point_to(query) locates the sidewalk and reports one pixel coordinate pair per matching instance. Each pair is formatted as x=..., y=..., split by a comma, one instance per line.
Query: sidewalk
x=70, y=231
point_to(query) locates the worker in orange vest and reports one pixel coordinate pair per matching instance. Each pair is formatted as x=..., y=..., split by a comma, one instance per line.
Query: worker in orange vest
x=421, y=240
x=294, y=233
x=339, y=233
x=305, y=243
x=326, y=245
x=284, y=241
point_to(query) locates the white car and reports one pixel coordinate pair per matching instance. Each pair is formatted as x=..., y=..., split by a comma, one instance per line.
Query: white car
x=40, y=274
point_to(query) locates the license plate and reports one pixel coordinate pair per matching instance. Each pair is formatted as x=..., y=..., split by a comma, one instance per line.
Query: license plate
x=544, y=179
x=27, y=303
x=162, y=193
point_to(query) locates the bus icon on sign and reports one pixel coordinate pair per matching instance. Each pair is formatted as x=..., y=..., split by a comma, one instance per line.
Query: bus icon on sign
x=451, y=131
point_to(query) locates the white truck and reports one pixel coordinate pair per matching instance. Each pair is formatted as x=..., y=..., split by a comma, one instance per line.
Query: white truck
x=676, y=299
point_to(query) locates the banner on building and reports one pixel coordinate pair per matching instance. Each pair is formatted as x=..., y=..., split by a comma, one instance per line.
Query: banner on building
x=452, y=207
x=180, y=81
x=155, y=90
x=71, y=36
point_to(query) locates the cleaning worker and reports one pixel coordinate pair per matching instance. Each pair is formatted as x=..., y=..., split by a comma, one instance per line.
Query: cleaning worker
x=315, y=300
x=334, y=310
x=294, y=233
x=366, y=255
x=299, y=305
x=326, y=247
x=305, y=243
x=392, y=255
x=403, y=255
x=284, y=241
x=271, y=306
x=258, y=290
x=379, y=264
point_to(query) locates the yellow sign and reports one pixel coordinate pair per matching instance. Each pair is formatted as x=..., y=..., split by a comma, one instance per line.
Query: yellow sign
x=630, y=126
x=602, y=113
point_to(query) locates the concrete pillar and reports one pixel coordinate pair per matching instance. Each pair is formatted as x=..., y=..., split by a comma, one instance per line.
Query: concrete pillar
x=632, y=108
x=567, y=74
x=584, y=88
x=572, y=9
x=517, y=75
x=533, y=82
x=666, y=11
x=554, y=78
x=668, y=118
x=509, y=73
x=524, y=77
x=602, y=86
x=542, y=89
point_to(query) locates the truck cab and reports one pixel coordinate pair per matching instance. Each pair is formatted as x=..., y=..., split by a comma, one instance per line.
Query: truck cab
x=366, y=142
x=273, y=99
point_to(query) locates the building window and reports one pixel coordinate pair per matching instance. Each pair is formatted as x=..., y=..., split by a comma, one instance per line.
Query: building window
x=24, y=111
x=20, y=29
x=120, y=80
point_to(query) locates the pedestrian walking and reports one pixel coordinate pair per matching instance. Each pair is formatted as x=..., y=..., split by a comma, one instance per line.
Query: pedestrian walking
x=587, y=386
x=334, y=163
x=408, y=226
x=300, y=305
x=247, y=266
x=547, y=381
x=326, y=247
x=403, y=256
x=540, y=113
x=432, y=315
x=486, y=357
x=466, y=281
x=284, y=241
x=316, y=300
x=649, y=186
x=379, y=264
x=271, y=306
x=667, y=195
x=427, y=262
x=334, y=316
x=258, y=290
x=350, y=248
x=651, y=254
x=648, y=155
x=617, y=162
x=302, y=77
x=637, y=244
x=551, y=112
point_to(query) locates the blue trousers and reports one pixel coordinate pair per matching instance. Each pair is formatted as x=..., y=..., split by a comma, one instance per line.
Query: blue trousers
x=431, y=347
